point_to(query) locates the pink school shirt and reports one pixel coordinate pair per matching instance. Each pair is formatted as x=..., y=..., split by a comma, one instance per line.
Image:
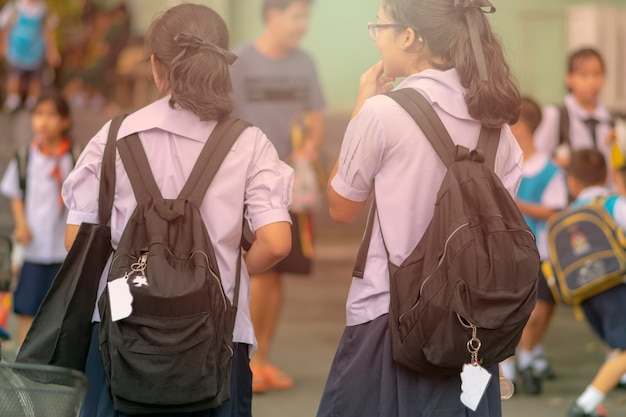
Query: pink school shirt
x=251, y=175
x=385, y=151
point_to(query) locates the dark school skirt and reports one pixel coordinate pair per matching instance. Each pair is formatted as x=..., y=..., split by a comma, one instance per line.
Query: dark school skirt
x=365, y=381
x=97, y=403
x=33, y=285
x=300, y=259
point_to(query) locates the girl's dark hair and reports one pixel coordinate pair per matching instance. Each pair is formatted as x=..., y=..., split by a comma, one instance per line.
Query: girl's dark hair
x=190, y=45
x=444, y=28
x=60, y=104
x=581, y=55
x=588, y=167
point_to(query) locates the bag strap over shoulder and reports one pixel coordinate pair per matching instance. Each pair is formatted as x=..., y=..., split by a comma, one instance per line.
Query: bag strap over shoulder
x=208, y=163
x=428, y=120
x=564, y=124
x=213, y=154
x=107, y=173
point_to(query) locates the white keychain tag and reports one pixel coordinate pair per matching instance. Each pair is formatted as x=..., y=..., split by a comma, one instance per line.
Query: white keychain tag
x=120, y=299
x=474, y=382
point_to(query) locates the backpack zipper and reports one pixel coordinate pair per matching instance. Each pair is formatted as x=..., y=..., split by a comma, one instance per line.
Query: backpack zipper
x=215, y=277
x=441, y=259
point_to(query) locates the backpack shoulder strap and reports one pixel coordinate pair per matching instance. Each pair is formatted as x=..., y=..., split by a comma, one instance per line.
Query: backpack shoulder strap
x=107, y=173
x=22, y=157
x=427, y=119
x=210, y=159
x=564, y=124
x=361, y=258
x=138, y=169
x=488, y=142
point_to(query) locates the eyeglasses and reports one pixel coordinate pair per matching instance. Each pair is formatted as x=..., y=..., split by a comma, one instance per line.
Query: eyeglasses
x=373, y=28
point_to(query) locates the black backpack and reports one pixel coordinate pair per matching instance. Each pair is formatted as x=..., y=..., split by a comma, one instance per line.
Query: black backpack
x=174, y=352
x=466, y=291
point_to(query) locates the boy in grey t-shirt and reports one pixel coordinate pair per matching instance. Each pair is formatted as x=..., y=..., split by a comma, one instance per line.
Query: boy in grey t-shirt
x=276, y=84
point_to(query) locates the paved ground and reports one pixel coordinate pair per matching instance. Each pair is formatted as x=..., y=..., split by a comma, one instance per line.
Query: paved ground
x=313, y=316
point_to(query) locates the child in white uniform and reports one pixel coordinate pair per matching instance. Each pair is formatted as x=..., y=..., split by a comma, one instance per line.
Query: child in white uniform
x=40, y=214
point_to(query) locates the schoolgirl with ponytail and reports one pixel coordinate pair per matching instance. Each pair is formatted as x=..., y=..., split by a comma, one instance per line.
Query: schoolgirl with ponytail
x=446, y=50
x=188, y=49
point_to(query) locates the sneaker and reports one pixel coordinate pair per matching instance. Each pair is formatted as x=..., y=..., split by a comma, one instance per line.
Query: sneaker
x=530, y=381
x=577, y=411
x=542, y=368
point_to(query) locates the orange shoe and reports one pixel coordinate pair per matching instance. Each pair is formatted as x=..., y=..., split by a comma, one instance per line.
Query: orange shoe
x=277, y=379
x=259, y=379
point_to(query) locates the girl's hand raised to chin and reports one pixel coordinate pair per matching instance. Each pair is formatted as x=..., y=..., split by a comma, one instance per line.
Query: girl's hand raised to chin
x=372, y=82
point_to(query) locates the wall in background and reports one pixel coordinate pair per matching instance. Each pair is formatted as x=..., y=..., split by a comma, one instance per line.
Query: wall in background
x=534, y=33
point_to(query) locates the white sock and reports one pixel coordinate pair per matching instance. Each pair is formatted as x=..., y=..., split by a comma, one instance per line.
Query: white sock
x=590, y=399
x=540, y=364
x=538, y=351
x=508, y=369
x=12, y=101
x=622, y=380
x=524, y=359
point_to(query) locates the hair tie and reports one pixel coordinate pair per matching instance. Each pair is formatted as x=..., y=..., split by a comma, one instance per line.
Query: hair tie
x=195, y=44
x=475, y=24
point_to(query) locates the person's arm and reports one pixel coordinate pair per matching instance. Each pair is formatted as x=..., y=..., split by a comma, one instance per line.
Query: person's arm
x=21, y=234
x=536, y=211
x=341, y=209
x=272, y=244
x=313, y=144
x=71, y=230
x=372, y=82
x=52, y=50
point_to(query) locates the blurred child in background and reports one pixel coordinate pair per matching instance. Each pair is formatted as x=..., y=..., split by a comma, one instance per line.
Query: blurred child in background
x=582, y=122
x=38, y=210
x=28, y=42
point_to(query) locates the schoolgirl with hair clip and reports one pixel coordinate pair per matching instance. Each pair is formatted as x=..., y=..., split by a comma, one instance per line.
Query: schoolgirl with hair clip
x=448, y=52
x=188, y=49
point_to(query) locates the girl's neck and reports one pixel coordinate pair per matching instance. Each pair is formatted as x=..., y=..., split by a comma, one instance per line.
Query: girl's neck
x=588, y=106
x=52, y=143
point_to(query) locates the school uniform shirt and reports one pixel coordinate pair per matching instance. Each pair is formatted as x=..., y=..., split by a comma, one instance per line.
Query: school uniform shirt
x=543, y=183
x=385, y=151
x=251, y=174
x=44, y=209
x=547, y=134
x=272, y=93
x=27, y=22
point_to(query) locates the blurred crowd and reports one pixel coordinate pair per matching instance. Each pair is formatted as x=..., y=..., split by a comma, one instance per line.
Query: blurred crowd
x=71, y=46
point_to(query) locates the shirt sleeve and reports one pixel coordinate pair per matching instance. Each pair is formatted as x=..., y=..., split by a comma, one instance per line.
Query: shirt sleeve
x=268, y=186
x=81, y=188
x=10, y=185
x=361, y=155
x=555, y=195
x=547, y=134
